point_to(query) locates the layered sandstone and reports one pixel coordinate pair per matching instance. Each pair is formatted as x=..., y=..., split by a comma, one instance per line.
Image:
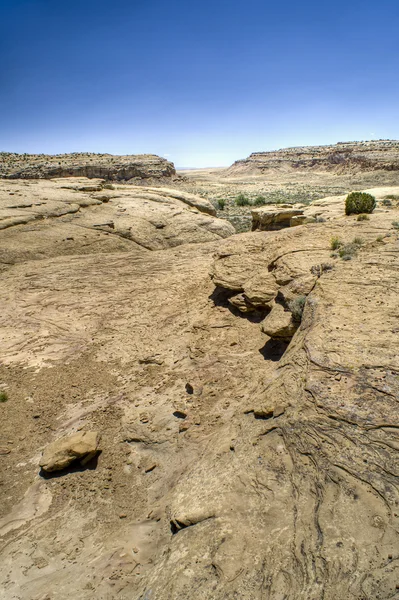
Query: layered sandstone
x=106, y=166
x=340, y=158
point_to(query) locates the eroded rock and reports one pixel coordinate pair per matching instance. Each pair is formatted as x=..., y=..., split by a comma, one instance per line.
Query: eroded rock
x=81, y=446
x=279, y=323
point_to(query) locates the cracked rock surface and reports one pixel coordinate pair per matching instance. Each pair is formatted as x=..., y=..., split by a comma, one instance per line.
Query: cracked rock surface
x=233, y=464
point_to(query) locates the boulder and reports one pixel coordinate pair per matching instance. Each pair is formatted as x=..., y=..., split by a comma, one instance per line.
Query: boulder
x=279, y=323
x=81, y=446
x=261, y=289
x=273, y=217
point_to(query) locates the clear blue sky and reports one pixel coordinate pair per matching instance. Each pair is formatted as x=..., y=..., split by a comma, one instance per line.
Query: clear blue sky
x=202, y=83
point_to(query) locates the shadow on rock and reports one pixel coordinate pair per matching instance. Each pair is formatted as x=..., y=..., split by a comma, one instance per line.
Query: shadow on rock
x=75, y=467
x=274, y=349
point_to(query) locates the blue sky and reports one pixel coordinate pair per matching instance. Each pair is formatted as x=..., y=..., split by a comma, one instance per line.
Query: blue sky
x=202, y=83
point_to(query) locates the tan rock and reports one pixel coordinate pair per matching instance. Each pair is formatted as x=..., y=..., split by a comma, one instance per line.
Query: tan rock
x=82, y=446
x=273, y=218
x=261, y=289
x=279, y=323
x=240, y=302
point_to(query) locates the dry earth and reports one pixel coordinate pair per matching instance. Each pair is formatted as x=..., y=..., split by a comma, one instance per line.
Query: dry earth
x=235, y=464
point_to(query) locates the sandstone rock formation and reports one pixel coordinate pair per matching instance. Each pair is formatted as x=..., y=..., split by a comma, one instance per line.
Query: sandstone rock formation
x=75, y=218
x=106, y=166
x=81, y=446
x=233, y=465
x=340, y=158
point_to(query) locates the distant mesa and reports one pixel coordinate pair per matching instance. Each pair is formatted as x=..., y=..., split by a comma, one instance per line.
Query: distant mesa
x=104, y=166
x=340, y=158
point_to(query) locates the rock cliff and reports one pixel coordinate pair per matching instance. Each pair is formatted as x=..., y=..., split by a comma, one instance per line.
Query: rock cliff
x=106, y=166
x=341, y=158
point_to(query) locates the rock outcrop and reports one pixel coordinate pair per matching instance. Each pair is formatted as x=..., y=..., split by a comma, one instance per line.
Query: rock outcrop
x=81, y=216
x=342, y=157
x=105, y=166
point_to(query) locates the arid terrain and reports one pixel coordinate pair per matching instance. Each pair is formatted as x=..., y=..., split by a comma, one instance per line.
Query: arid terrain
x=295, y=175
x=233, y=396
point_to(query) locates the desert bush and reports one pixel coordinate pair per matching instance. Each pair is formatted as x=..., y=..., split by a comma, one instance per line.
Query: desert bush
x=242, y=200
x=391, y=197
x=221, y=204
x=363, y=217
x=335, y=243
x=380, y=238
x=259, y=201
x=386, y=202
x=3, y=396
x=296, y=307
x=359, y=202
x=358, y=241
x=395, y=224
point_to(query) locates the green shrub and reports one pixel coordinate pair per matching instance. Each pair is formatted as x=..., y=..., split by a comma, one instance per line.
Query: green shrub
x=359, y=202
x=386, y=202
x=380, y=238
x=395, y=224
x=259, y=201
x=363, y=217
x=242, y=200
x=335, y=243
x=296, y=307
x=358, y=241
x=348, y=251
x=221, y=204
x=3, y=396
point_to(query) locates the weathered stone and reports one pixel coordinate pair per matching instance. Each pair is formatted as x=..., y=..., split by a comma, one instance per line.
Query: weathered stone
x=261, y=289
x=273, y=218
x=279, y=323
x=81, y=446
x=240, y=302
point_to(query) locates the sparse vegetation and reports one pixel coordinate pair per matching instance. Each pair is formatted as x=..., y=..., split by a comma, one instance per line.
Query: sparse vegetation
x=391, y=197
x=318, y=270
x=296, y=307
x=386, y=202
x=395, y=224
x=221, y=204
x=380, y=238
x=3, y=396
x=335, y=243
x=348, y=251
x=363, y=217
x=242, y=200
x=359, y=202
x=259, y=201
